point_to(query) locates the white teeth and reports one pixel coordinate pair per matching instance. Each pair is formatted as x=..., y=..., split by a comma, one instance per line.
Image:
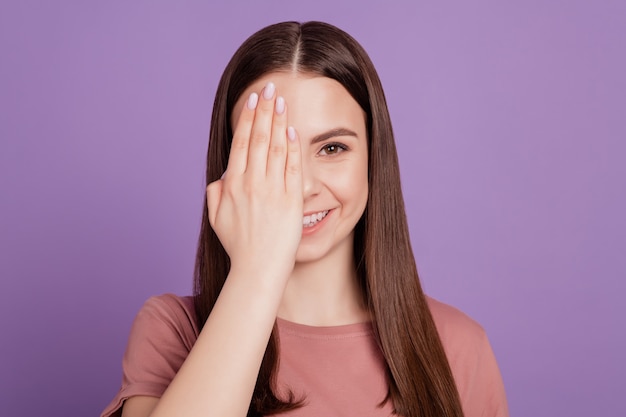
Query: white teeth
x=312, y=219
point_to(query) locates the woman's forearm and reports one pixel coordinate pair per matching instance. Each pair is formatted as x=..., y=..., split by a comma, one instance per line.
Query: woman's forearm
x=218, y=376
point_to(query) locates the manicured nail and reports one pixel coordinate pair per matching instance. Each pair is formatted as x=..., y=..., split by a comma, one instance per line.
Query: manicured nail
x=268, y=91
x=253, y=100
x=291, y=133
x=223, y=175
x=280, y=105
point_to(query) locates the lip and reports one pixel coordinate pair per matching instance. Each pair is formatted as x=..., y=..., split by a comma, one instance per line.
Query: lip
x=306, y=231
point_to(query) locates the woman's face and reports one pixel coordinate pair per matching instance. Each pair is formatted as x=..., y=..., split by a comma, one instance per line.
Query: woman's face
x=333, y=135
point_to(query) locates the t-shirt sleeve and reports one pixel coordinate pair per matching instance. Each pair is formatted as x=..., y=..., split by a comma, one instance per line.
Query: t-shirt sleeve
x=472, y=361
x=161, y=337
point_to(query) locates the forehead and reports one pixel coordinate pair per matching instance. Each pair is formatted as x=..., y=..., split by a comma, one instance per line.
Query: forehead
x=314, y=103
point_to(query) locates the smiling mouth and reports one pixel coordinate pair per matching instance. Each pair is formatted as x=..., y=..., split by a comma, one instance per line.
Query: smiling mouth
x=312, y=219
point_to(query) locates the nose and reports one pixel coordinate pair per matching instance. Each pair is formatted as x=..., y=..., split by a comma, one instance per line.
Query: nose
x=311, y=184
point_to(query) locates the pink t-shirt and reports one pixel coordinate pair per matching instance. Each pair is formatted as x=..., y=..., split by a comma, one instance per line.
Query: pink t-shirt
x=339, y=370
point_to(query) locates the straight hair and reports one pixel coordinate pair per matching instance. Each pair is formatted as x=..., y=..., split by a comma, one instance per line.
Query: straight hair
x=418, y=373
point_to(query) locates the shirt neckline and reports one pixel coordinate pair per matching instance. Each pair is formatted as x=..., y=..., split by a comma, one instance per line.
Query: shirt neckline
x=340, y=331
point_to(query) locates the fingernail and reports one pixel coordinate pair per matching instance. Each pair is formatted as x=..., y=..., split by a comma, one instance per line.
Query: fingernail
x=291, y=133
x=253, y=100
x=223, y=175
x=280, y=105
x=268, y=91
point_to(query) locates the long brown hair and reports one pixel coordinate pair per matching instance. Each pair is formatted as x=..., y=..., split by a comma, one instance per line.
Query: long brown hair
x=419, y=376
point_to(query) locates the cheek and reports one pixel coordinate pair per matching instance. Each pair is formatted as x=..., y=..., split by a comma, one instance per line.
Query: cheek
x=349, y=184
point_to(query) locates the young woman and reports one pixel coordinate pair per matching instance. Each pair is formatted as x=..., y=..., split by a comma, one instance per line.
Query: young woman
x=307, y=300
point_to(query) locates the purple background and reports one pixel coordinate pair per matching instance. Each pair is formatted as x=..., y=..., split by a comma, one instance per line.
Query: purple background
x=510, y=123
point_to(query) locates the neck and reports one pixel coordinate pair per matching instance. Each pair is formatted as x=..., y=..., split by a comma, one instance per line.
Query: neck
x=325, y=292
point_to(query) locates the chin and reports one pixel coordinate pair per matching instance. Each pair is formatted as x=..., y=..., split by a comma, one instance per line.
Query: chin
x=307, y=254
x=336, y=247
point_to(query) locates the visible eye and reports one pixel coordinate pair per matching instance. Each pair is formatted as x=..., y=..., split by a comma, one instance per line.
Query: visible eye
x=332, y=149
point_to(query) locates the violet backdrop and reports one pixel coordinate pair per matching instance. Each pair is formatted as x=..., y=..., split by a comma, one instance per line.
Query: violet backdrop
x=510, y=121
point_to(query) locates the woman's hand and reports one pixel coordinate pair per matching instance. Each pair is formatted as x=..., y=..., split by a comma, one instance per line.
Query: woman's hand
x=256, y=208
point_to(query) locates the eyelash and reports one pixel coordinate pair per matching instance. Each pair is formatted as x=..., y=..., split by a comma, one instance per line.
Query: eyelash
x=340, y=148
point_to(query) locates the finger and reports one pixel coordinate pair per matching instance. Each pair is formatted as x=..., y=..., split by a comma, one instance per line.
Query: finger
x=238, y=158
x=293, y=168
x=261, y=133
x=277, y=153
x=213, y=197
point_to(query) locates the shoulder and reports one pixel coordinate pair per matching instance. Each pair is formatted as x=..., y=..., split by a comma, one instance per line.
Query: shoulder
x=454, y=326
x=165, y=328
x=162, y=334
x=472, y=361
x=167, y=316
x=169, y=307
x=464, y=340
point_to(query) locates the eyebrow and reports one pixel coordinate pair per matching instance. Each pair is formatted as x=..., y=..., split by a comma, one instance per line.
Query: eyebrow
x=333, y=133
